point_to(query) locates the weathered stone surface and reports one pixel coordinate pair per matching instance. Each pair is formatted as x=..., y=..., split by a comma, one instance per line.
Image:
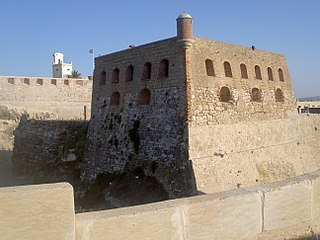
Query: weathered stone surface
x=47, y=100
x=241, y=213
x=229, y=156
x=129, y=136
x=316, y=202
x=231, y=144
x=286, y=206
x=132, y=223
x=275, y=211
x=49, y=151
x=37, y=212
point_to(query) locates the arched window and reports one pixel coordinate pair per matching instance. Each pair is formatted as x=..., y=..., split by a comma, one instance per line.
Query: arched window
x=146, y=73
x=256, y=95
x=144, y=97
x=115, y=99
x=281, y=77
x=257, y=70
x=279, y=95
x=209, y=67
x=103, y=78
x=163, y=68
x=270, y=74
x=227, y=69
x=244, y=72
x=129, y=73
x=115, y=75
x=225, y=95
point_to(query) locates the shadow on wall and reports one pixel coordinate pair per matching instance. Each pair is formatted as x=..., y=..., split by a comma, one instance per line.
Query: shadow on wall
x=52, y=151
x=312, y=237
x=7, y=178
x=132, y=187
x=121, y=190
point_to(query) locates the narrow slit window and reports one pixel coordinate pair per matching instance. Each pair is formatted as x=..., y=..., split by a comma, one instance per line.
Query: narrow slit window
x=257, y=70
x=209, y=67
x=281, y=77
x=146, y=74
x=270, y=74
x=129, y=73
x=244, y=72
x=115, y=75
x=103, y=78
x=163, y=69
x=227, y=69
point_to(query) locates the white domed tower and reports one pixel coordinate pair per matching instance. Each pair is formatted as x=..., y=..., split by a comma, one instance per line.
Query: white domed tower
x=185, y=29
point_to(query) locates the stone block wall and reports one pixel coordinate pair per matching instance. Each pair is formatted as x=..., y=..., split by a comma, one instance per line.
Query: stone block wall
x=230, y=156
x=44, y=98
x=49, y=151
x=206, y=105
x=37, y=212
x=283, y=210
x=125, y=135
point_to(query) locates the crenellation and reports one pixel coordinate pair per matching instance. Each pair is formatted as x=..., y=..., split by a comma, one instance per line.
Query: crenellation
x=60, y=98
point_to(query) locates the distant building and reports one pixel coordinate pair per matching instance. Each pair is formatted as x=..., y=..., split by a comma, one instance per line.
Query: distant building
x=59, y=68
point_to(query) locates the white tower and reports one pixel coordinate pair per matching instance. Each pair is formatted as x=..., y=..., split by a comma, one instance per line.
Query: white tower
x=59, y=68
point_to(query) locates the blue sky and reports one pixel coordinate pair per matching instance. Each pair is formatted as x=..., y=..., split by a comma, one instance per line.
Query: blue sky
x=30, y=31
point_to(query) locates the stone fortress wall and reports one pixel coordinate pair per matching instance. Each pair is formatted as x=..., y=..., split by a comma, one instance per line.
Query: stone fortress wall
x=284, y=210
x=189, y=134
x=194, y=88
x=231, y=84
x=251, y=135
x=138, y=117
x=40, y=97
x=230, y=156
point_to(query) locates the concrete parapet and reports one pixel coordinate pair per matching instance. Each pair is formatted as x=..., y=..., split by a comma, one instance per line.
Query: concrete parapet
x=315, y=202
x=240, y=211
x=288, y=206
x=37, y=212
x=284, y=210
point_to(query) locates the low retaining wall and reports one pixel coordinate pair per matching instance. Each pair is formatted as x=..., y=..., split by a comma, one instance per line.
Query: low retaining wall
x=288, y=209
x=44, y=98
x=37, y=212
x=227, y=157
x=284, y=210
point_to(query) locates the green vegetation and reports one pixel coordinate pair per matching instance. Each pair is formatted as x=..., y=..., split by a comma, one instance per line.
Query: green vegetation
x=75, y=74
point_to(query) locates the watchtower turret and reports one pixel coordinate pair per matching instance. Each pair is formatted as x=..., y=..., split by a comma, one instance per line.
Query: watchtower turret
x=184, y=30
